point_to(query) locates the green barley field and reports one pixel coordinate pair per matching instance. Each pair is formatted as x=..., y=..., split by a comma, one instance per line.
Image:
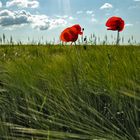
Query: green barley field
x=59, y=92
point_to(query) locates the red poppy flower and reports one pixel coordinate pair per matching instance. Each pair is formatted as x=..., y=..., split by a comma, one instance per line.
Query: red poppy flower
x=115, y=24
x=70, y=34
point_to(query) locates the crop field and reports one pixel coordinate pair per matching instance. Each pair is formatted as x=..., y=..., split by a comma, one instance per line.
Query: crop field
x=60, y=92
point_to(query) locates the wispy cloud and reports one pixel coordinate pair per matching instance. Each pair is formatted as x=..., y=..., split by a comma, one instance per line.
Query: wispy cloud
x=63, y=17
x=23, y=3
x=66, y=17
x=0, y=4
x=106, y=6
x=136, y=0
x=89, y=12
x=71, y=18
x=94, y=20
x=129, y=25
x=79, y=12
x=133, y=7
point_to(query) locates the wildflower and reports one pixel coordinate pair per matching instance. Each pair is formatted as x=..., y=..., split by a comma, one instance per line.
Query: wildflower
x=70, y=34
x=115, y=24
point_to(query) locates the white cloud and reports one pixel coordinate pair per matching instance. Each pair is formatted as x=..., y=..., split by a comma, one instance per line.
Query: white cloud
x=21, y=18
x=66, y=17
x=23, y=3
x=9, y=18
x=128, y=25
x=89, y=12
x=63, y=17
x=116, y=11
x=71, y=18
x=94, y=20
x=136, y=0
x=107, y=14
x=106, y=6
x=0, y=4
x=79, y=12
x=40, y=22
x=133, y=7
x=54, y=23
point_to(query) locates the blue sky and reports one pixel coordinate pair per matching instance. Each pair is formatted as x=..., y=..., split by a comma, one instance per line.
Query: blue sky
x=45, y=19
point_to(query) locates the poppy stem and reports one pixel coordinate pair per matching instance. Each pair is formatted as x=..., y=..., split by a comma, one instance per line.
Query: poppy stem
x=71, y=44
x=118, y=38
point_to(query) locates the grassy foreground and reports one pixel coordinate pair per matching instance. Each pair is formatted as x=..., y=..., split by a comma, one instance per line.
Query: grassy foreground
x=63, y=93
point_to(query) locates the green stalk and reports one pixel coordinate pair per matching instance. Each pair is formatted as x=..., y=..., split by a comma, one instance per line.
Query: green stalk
x=118, y=38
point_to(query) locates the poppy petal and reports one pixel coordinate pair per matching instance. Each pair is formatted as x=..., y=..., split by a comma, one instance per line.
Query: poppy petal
x=71, y=33
x=115, y=23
